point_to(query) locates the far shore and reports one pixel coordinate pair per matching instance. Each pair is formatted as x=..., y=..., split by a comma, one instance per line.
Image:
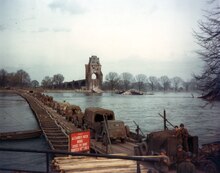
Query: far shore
x=42, y=90
x=14, y=90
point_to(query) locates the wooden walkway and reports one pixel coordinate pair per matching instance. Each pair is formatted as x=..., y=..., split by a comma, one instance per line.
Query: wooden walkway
x=54, y=134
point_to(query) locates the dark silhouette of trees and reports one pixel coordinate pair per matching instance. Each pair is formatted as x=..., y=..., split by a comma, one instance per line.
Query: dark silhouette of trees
x=53, y=82
x=208, y=38
x=57, y=80
x=176, y=81
x=165, y=83
x=11, y=80
x=112, y=79
x=153, y=82
x=3, y=78
x=141, y=80
x=34, y=83
x=126, y=79
x=22, y=78
x=186, y=85
x=19, y=79
x=47, y=82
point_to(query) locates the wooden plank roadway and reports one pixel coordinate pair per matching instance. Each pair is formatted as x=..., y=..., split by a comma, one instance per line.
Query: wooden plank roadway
x=73, y=164
x=54, y=134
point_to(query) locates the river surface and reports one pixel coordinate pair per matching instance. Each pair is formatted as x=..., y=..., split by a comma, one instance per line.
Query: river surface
x=199, y=117
x=16, y=115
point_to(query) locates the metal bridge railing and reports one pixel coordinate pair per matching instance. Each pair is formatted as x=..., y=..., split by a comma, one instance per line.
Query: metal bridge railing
x=50, y=153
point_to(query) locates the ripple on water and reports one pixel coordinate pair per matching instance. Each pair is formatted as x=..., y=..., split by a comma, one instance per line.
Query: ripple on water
x=16, y=115
x=180, y=108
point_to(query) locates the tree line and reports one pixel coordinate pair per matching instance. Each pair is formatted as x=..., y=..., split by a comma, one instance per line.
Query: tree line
x=113, y=81
x=19, y=79
x=22, y=79
x=125, y=81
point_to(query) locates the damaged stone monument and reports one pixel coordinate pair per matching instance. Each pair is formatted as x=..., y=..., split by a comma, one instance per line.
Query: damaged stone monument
x=94, y=76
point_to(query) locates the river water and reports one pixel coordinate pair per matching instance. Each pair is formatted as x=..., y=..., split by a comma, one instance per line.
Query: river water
x=16, y=115
x=200, y=117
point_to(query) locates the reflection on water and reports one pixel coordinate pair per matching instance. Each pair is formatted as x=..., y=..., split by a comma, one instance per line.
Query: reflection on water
x=180, y=108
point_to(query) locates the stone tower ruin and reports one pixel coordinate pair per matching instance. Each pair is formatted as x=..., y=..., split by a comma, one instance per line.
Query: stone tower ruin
x=94, y=75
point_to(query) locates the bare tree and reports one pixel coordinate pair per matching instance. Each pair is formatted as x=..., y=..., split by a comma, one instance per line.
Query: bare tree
x=22, y=78
x=11, y=79
x=47, y=82
x=34, y=83
x=153, y=82
x=208, y=37
x=186, y=85
x=126, y=79
x=165, y=83
x=19, y=79
x=57, y=79
x=176, y=82
x=193, y=84
x=3, y=78
x=141, y=79
x=112, y=79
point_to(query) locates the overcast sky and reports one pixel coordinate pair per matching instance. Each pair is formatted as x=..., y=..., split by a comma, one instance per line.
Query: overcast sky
x=153, y=37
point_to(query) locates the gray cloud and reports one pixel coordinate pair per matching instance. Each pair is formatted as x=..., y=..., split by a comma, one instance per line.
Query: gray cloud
x=69, y=6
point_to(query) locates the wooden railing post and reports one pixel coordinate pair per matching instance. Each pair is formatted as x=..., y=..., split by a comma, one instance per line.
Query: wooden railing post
x=164, y=119
x=138, y=167
x=48, y=162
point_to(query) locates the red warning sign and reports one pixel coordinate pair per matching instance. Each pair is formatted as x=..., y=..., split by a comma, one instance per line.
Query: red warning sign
x=80, y=141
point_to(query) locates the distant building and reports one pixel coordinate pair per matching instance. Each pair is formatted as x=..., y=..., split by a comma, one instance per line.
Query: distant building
x=79, y=84
x=94, y=76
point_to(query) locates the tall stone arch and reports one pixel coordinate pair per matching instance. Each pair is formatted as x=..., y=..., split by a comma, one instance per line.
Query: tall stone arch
x=94, y=76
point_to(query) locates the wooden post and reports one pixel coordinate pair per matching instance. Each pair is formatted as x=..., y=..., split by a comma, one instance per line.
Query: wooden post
x=107, y=148
x=138, y=167
x=164, y=119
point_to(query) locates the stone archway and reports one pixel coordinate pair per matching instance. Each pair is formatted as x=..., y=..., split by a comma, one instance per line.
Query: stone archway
x=94, y=75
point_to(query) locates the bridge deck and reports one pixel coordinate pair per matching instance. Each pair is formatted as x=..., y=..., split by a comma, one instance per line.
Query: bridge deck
x=53, y=133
